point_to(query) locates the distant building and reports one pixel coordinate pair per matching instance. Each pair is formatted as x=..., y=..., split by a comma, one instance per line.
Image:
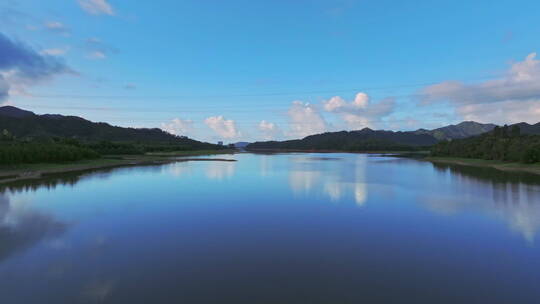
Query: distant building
x=220, y=143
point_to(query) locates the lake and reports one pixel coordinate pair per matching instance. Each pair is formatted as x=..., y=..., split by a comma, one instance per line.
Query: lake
x=280, y=228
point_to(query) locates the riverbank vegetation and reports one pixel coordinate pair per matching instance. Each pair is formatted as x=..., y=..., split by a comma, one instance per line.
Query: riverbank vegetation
x=505, y=144
x=15, y=151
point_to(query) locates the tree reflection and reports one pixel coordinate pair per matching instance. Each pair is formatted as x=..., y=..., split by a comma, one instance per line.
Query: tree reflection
x=512, y=197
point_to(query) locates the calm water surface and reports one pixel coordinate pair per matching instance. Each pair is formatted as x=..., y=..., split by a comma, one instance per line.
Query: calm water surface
x=289, y=228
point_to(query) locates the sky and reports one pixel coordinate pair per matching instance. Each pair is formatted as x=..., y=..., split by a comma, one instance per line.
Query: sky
x=271, y=70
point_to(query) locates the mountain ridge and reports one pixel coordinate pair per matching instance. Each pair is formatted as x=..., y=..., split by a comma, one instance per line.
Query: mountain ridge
x=26, y=124
x=367, y=139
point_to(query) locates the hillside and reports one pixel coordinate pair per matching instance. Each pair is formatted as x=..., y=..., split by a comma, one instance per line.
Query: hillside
x=362, y=140
x=508, y=143
x=461, y=130
x=373, y=140
x=25, y=124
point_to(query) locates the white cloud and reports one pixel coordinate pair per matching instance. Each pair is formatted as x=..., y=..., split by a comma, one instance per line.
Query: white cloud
x=334, y=103
x=360, y=113
x=513, y=98
x=178, y=126
x=269, y=130
x=304, y=120
x=57, y=27
x=225, y=128
x=55, y=51
x=97, y=49
x=97, y=55
x=505, y=112
x=97, y=7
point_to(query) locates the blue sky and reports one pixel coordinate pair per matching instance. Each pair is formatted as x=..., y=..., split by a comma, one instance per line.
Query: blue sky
x=254, y=70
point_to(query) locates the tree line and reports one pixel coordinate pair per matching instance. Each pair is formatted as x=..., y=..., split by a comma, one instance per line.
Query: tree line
x=502, y=144
x=46, y=149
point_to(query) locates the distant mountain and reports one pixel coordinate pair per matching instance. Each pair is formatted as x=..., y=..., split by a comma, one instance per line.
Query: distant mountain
x=14, y=112
x=241, y=144
x=526, y=128
x=461, y=130
x=25, y=124
x=371, y=140
x=362, y=140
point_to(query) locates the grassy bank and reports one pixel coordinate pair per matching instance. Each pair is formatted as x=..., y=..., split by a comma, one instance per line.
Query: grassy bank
x=11, y=173
x=499, y=165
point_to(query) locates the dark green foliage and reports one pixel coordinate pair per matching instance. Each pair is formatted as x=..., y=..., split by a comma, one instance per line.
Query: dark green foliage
x=503, y=144
x=363, y=140
x=29, y=126
x=29, y=138
x=109, y=148
x=26, y=153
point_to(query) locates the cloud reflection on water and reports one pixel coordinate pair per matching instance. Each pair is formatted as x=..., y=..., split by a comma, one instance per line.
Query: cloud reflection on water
x=331, y=175
x=21, y=227
x=511, y=197
x=220, y=170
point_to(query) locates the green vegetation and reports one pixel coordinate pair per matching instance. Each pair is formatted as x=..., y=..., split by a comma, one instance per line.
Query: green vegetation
x=365, y=140
x=13, y=151
x=29, y=138
x=502, y=144
x=45, y=149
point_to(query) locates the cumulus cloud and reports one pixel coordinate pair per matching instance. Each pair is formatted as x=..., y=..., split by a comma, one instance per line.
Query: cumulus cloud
x=178, y=126
x=360, y=113
x=305, y=119
x=269, y=130
x=512, y=98
x=21, y=66
x=97, y=7
x=225, y=128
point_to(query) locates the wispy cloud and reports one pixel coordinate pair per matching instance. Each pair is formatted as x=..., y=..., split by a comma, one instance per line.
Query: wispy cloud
x=97, y=7
x=97, y=49
x=512, y=98
x=56, y=27
x=55, y=51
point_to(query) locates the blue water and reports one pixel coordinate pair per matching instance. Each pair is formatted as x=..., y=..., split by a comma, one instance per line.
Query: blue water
x=281, y=228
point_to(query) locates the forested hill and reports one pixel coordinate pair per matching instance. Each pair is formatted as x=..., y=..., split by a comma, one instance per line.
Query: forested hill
x=508, y=143
x=372, y=140
x=362, y=140
x=25, y=124
x=461, y=130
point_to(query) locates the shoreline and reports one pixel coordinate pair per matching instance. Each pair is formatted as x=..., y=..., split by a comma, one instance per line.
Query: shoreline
x=261, y=151
x=9, y=174
x=502, y=166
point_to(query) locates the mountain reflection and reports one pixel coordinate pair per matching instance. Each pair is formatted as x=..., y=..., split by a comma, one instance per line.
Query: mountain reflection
x=22, y=227
x=335, y=177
